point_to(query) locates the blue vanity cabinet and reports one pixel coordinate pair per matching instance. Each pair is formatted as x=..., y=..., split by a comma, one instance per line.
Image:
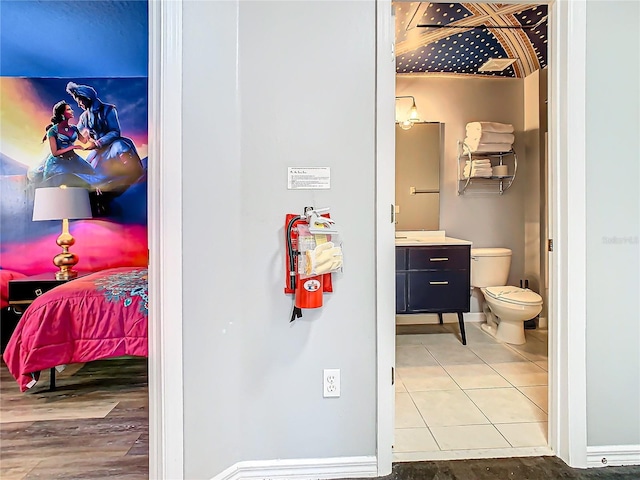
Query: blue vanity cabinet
x=434, y=279
x=401, y=280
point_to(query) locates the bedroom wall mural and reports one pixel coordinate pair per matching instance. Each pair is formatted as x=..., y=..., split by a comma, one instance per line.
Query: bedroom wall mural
x=112, y=169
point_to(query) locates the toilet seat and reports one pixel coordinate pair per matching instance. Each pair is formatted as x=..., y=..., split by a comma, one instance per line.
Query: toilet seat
x=513, y=295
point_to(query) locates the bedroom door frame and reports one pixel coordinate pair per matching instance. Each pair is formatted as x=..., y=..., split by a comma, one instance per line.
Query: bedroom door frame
x=566, y=184
x=166, y=407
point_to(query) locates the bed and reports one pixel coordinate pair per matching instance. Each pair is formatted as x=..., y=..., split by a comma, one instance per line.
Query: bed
x=97, y=316
x=5, y=277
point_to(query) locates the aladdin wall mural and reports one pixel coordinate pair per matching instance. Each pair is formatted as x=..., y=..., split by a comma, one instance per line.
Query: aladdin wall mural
x=89, y=133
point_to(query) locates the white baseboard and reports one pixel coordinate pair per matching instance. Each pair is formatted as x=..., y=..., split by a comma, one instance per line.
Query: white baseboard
x=613, y=455
x=474, y=317
x=432, y=318
x=302, y=469
x=543, y=323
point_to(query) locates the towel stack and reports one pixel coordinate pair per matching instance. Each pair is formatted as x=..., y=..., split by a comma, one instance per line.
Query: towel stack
x=488, y=137
x=480, y=167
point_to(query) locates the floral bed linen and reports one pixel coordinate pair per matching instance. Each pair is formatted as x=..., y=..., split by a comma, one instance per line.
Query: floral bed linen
x=97, y=316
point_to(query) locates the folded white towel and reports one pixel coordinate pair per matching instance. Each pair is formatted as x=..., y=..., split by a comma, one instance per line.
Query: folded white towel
x=479, y=162
x=488, y=147
x=492, y=137
x=488, y=137
x=475, y=175
x=479, y=127
x=477, y=172
x=479, y=169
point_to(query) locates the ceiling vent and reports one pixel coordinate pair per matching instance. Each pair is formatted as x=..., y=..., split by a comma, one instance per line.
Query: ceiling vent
x=496, y=64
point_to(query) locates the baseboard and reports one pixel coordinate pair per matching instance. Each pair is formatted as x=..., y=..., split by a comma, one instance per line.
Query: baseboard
x=474, y=317
x=432, y=318
x=613, y=455
x=302, y=469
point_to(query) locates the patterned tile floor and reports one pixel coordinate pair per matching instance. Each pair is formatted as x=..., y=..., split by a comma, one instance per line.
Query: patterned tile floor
x=456, y=401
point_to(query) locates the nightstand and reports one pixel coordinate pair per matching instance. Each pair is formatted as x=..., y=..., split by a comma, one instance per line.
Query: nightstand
x=23, y=291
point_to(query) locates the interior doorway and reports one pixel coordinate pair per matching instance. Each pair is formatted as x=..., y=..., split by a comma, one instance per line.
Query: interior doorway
x=466, y=383
x=566, y=17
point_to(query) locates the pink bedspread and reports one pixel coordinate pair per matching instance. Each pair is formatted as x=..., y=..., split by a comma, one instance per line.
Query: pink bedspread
x=97, y=316
x=5, y=276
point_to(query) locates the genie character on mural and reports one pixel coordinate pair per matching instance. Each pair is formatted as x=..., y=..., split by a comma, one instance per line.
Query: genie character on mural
x=113, y=156
x=113, y=163
x=85, y=149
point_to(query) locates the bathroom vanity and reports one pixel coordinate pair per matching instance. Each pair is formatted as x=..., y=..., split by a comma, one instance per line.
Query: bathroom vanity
x=432, y=275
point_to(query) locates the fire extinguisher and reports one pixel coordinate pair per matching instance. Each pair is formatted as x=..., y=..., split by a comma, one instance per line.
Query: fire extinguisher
x=307, y=289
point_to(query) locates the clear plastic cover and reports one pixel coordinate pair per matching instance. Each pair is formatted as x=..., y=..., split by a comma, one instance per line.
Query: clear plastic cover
x=318, y=253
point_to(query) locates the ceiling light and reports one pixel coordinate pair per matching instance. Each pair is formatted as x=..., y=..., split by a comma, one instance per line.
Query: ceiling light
x=496, y=64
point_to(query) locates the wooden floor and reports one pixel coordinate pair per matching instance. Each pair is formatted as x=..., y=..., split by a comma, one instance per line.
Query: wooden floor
x=95, y=424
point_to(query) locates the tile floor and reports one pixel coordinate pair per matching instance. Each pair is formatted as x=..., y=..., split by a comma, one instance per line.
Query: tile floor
x=458, y=401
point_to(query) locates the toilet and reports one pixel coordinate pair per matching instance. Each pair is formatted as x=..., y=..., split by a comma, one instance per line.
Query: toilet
x=506, y=308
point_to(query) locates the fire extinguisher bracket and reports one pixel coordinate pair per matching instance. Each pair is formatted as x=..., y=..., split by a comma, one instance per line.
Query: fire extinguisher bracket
x=306, y=235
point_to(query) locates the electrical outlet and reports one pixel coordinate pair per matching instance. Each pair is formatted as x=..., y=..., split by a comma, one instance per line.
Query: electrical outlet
x=331, y=382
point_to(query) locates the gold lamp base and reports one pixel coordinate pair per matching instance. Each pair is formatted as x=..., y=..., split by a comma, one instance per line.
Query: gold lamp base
x=65, y=260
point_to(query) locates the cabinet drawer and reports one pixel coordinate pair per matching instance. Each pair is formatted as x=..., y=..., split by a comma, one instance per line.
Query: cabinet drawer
x=401, y=288
x=438, y=291
x=440, y=258
x=24, y=292
x=401, y=258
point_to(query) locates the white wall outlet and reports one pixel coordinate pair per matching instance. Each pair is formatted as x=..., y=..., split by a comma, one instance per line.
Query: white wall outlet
x=331, y=382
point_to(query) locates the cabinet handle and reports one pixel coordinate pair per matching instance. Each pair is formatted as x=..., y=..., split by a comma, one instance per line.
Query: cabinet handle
x=438, y=283
x=439, y=259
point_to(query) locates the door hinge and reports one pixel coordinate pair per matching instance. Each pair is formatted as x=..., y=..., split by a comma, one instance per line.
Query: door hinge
x=393, y=376
x=550, y=244
x=393, y=213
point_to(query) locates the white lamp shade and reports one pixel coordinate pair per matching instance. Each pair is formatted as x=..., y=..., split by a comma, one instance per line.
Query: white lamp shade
x=58, y=203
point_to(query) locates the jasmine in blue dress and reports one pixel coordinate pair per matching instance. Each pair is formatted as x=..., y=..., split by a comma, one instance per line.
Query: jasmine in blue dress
x=68, y=168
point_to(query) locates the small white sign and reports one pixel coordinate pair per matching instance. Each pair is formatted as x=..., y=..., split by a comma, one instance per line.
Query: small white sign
x=308, y=178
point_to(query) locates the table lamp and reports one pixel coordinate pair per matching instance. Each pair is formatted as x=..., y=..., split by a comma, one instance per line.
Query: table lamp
x=62, y=203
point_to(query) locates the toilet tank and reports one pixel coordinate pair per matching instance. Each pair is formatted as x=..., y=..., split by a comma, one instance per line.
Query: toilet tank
x=490, y=266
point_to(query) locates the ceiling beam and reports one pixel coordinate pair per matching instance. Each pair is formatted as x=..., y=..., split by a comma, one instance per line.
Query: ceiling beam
x=440, y=33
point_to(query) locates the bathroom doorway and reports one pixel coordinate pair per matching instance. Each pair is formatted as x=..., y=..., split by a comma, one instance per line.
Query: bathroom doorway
x=446, y=393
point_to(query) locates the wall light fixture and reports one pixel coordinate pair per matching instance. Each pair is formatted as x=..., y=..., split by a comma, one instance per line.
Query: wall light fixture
x=413, y=117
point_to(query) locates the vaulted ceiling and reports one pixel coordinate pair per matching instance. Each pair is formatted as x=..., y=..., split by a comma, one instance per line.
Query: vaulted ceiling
x=459, y=38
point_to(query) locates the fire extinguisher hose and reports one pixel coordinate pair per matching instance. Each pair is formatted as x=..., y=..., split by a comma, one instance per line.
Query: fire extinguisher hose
x=297, y=312
x=292, y=258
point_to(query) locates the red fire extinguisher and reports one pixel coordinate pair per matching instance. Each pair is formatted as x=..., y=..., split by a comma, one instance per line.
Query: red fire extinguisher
x=308, y=290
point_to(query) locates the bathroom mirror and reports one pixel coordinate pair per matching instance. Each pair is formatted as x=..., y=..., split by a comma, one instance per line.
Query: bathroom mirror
x=418, y=157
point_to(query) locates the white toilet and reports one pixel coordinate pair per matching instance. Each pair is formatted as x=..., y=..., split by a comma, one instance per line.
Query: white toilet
x=506, y=308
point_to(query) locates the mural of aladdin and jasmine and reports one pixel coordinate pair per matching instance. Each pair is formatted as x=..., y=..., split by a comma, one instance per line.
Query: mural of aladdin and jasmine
x=95, y=137
x=113, y=163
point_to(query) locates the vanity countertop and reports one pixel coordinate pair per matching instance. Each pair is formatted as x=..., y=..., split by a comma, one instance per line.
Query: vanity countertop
x=416, y=238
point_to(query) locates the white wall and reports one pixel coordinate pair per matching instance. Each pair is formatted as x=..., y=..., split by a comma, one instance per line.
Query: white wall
x=252, y=383
x=266, y=87
x=613, y=221
x=213, y=323
x=487, y=220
